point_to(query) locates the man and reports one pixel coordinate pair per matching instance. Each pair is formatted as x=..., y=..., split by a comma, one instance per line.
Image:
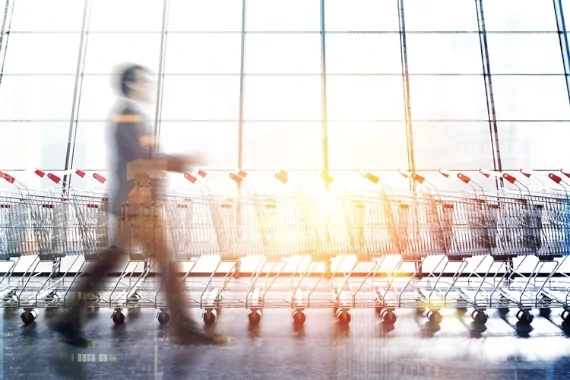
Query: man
x=131, y=138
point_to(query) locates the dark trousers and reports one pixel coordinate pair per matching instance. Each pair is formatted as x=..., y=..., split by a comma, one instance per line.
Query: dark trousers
x=108, y=259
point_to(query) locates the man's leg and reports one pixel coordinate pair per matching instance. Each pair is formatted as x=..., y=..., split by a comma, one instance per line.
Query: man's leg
x=70, y=324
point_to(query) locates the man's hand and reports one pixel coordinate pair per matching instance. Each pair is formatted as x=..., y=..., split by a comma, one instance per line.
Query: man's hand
x=147, y=141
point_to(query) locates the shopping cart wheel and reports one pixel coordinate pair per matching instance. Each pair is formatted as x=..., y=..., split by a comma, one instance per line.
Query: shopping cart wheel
x=566, y=315
x=434, y=317
x=209, y=316
x=479, y=317
x=254, y=316
x=163, y=317
x=343, y=316
x=378, y=310
x=389, y=317
x=29, y=316
x=118, y=317
x=299, y=317
x=525, y=317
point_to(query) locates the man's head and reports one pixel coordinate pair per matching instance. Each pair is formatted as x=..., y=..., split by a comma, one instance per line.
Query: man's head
x=134, y=83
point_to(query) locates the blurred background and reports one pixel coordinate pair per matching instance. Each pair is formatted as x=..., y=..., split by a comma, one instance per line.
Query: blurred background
x=298, y=85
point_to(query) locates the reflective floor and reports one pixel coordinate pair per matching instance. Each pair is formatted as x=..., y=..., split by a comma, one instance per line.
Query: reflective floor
x=276, y=350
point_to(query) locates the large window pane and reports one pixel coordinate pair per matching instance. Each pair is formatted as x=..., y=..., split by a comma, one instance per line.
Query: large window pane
x=361, y=15
x=354, y=182
x=450, y=145
x=42, y=54
x=373, y=146
x=282, y=98
x=105, y=52
x=200, y=98
x=283, y=54
x=218, y=141
x=531, y=98
x=438, y=97
x=52, y=16
x=33, y=145
x=519, y=15
x=209, y=54
x=282, y=15
x=534, y=145
x=98, y=95
x=92, y=145
x=444, y=54
x=279, y=146
x=363, y=54
x=205, y=15
x=38, y=97
x=126, y=15
x=525, y=54
x=365, y=98
x=440, y=15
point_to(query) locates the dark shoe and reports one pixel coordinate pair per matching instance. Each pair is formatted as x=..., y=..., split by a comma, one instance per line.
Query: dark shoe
x=71, y=333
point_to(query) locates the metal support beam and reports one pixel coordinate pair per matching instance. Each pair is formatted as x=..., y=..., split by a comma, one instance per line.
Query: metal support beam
x=161, y=64
x=5, y=33
x=72, y=135
x=489, y=94
x=325, y=130
x=241, y=87
x=563, y=38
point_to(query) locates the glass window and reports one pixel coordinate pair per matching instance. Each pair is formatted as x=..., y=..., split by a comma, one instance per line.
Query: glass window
x=519, y=15
x=363, y=54
x=217, y=141
x=126, y=15
x=452, y=146
x=105, y=52
x=282, y=98
x=299, y=181
x=38, y=97
x=361, y=15
x=92, y=146
x=53, y=144
x=532, y=145
x=283, y=54
x=46, y=16
x=283, y=15
x=42, y=54
x=373, y=146
x=441, y=98
x=205, y=15
x=531, y=98
x=444, y=54
x=353, y=181
x=365, y=98
x=440, y=15
x=525, y=54
x=279, y=146
x=97, y=97
x=200, y=97
x=209, y=54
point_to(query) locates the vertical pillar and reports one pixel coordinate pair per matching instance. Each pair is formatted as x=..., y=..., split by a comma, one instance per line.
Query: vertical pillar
x=490, y=97
x=563, y=38
x=241, y=88
x=5, y=32
x=161, y=63
x=325, y=133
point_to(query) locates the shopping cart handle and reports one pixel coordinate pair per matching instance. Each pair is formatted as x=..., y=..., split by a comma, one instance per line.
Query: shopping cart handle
x=147, y=168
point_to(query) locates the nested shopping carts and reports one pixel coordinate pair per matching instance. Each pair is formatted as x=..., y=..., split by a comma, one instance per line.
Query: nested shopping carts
x=388, y=250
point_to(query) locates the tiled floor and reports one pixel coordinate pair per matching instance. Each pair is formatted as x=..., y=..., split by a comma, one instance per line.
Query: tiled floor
x=140, y=349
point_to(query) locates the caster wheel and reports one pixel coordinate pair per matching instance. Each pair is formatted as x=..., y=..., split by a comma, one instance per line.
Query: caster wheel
x=566, y=316
x=118, y=317
x=389, y=317
x=254, y=317
x=163, y=318
x=525, y=317
x=480, y=317
x=461, y=311
x=545, y=312
x=29, y=316
x=434, y=317
x=343, y=317
x=299, y=317
x=378, y=310
x=209, y=317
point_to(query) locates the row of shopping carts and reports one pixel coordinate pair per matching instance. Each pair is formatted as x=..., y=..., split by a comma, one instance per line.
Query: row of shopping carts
x=476, y=239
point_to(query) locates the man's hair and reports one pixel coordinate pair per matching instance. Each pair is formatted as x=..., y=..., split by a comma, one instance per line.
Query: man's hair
x=129, y=73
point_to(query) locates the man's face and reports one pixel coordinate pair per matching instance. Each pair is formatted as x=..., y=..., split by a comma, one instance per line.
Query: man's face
x=143, y=88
